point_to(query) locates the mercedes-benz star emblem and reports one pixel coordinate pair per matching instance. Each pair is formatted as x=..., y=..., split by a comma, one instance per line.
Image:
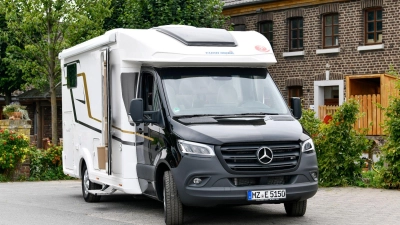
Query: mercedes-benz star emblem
x=265, y=155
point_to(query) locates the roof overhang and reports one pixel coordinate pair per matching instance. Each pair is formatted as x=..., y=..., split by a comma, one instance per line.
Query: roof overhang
x=244, y=3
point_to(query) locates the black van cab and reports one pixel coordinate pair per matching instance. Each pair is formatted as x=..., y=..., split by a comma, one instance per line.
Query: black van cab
x=221, y=136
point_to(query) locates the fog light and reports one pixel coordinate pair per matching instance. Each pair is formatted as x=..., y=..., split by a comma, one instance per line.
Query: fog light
x=197, y=180
x=314, y=175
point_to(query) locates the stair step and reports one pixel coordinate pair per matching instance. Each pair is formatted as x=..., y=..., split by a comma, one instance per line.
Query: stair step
x=100, y=192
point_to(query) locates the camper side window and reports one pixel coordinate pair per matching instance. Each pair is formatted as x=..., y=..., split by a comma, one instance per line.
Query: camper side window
x=72, y=81
x=128, y=87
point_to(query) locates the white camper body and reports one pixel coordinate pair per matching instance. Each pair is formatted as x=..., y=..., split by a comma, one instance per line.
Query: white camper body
x=126, y=51
x=187, y=116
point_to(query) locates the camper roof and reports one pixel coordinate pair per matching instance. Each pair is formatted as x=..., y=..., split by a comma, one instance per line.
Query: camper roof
x=193, y=36
x=179, y=45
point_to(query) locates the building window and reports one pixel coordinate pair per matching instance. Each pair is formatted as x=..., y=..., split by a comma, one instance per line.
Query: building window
x=373, y=26
x=239, y=27
x=296, y=34
x=331, y=30
x=266, y=29
x=294, y=91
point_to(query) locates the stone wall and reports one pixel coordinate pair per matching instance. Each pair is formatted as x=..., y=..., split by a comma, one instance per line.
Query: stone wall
x=19, y=126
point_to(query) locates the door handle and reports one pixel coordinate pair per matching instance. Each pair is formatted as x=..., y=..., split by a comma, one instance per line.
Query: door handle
x=140, y=131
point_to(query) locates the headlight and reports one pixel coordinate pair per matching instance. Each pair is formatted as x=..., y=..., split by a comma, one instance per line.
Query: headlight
x=195, y=148
x=308, y=146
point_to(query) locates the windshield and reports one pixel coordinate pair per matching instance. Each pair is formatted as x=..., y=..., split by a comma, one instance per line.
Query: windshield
x=221, y=91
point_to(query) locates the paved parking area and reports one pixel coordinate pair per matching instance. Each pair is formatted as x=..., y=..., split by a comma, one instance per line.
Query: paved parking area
x=60, y=202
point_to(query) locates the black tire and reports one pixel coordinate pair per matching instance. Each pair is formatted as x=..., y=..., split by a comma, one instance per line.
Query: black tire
x=296, y=208
x=173, y=212
x=88, y=185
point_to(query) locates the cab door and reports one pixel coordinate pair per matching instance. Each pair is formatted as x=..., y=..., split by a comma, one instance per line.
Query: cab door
x=151, y=147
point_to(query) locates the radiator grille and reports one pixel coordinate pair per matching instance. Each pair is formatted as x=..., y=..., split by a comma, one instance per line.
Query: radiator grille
x=243, y=158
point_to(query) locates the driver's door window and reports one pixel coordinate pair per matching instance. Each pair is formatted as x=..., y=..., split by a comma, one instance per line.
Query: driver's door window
x=149, y=93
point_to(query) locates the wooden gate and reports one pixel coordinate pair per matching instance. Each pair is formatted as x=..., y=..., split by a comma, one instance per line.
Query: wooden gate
x=373, y=115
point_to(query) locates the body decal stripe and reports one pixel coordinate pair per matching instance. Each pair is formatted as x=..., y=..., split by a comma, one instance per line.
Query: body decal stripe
x=83, y=75
x=90, y=113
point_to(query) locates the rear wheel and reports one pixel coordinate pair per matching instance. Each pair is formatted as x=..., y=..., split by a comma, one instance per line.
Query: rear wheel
x=296, y=208
x=88, y=185
x=173, y=212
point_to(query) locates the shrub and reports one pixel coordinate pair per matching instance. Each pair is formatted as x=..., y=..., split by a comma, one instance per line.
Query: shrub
x=338, y=146
x=47, y=164
x=369, y=180
x=390, y=173
x=13, y=150
x=310, y=122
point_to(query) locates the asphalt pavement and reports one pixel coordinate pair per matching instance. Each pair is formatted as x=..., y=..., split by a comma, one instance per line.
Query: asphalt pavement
x=60, y=202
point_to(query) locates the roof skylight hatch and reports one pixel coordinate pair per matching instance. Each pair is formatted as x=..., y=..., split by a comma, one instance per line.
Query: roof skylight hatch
x=192, y=36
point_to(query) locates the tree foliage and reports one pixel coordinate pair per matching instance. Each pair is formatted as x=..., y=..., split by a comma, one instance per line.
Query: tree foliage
x=143, y=14
x=115, y=19
x=10, y=75
x=46, y=27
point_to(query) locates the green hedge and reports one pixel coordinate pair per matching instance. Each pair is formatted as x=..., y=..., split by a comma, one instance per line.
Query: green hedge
x=14, y=148
x=47, y=164
x=389, y=172
x=339, y=147
x=44, y=164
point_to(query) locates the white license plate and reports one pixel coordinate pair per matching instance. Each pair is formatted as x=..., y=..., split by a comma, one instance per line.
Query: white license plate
x=266, y=195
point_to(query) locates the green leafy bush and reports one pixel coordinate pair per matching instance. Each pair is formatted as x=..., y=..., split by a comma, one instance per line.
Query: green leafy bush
x=339, y=147
x=13, y=150
x=369, y=180
x=310, y=122
x=47, y=164
x=390, y=173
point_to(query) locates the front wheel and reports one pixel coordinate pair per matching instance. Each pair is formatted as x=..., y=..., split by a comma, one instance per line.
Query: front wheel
x=173, y=212
x=296, y=208
x=88, y=185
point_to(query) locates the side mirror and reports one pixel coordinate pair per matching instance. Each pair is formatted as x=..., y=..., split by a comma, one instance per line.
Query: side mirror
x=137, y=114
x=296, y=106
x=136, y=110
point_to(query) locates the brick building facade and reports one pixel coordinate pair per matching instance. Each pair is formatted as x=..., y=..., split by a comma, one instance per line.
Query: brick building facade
x=361, y=37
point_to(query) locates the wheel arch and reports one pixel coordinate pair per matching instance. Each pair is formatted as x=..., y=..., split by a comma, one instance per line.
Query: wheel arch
x=84, y=159
x=161, y=168
x=81, y=163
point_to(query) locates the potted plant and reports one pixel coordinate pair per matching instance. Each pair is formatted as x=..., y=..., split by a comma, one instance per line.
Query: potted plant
x=15, y=111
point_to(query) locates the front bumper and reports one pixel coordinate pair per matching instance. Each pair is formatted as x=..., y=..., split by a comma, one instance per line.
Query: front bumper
x=217, y=188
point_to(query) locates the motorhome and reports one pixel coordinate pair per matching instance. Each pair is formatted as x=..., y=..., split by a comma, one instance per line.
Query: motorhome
x=187, y=116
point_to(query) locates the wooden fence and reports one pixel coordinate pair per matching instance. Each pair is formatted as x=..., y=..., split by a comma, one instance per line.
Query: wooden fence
x=324, y=110
x=373, y=115
x=369, y=106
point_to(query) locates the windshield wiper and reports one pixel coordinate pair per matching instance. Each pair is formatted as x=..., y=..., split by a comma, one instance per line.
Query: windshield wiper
x=225, y=115
x=202, y=115
x=256, y=114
